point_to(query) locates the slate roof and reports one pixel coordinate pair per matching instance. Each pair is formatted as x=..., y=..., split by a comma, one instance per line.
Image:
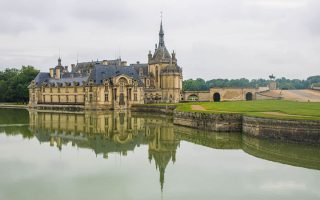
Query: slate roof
x=144, y=67
x=102, y=72
x=44, y=77
x=80, y=80
x=41, y=77
x=161, y=54
x=172, y=68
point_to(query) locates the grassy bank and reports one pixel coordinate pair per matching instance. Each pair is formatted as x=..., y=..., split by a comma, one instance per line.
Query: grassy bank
x=265, y=108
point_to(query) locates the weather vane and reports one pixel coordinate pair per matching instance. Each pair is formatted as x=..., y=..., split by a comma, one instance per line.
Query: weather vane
x=161, y=15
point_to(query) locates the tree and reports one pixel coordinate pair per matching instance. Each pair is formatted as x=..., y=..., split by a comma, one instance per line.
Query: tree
x=283, y=83
x=14, y=83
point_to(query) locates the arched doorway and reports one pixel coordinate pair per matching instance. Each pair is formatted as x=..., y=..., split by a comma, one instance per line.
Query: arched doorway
x=121, y=100
x=216, y=97
x=249, y=96
x=193, y=97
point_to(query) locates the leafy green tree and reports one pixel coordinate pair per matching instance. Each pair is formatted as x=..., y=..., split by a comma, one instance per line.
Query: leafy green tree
x=14, y=83
x=283, y=83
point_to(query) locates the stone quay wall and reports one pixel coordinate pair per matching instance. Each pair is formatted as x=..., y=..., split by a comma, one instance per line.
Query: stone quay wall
x=207, y=121
x=307, y=131
x=163, y=109
x=301, y=131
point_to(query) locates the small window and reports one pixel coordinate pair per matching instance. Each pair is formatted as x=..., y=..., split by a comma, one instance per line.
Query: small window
x=106, y=97
x=135, y=97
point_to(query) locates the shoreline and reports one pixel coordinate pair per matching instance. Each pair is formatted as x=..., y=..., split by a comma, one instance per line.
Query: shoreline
x=14, y=106
x=289, y=130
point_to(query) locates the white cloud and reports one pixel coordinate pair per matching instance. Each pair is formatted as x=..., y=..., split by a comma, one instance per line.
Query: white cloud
x=212, y=38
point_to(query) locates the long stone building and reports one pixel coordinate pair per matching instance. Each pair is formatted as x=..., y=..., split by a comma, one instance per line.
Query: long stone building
x=110, y=84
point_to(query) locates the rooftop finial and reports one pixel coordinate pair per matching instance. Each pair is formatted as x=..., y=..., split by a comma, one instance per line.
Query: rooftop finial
x=161, y=33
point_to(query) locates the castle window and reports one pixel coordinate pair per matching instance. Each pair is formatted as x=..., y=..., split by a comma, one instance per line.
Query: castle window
x=91, y=98
x=67, y=98
x=58, y=90
x=106, y=121
x=129, y=94
x=135, y=86
x=115, y=94
x=75, y=98
x=157, y=73
x=106, y=88
x=106, y=97
x=135, y=97
x=75, y=89
x=50, y=89
x=121, y=87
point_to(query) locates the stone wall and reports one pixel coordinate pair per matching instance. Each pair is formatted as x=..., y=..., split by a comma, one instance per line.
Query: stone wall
x=200, y=95
x=210, y=122
x=161, y=109
x=233, y=94
x=286, y=130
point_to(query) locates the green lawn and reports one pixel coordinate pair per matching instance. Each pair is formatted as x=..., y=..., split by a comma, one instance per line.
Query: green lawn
x=278, y=108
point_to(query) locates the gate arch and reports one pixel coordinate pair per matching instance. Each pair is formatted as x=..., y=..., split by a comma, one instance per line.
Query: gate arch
x=249, y=96
x=216, y=97
x=193, y=97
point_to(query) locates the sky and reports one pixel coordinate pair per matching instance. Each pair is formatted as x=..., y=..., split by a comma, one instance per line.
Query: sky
x=211, y=38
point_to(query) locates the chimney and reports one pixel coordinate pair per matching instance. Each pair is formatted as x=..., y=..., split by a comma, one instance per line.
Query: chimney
x=72, y=67
x=58, y=75
x=51, y=73
x=66, y=69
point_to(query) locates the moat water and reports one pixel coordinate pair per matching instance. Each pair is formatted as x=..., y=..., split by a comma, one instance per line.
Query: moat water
x=125, y=155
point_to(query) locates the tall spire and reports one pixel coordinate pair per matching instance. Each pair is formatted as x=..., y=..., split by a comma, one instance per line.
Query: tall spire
x=59, y=61
x=161, y=34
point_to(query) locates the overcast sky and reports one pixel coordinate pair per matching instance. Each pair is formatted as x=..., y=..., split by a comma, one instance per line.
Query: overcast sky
x=212, y=38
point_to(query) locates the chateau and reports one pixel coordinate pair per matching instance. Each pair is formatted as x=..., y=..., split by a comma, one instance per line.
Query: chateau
x=110, y=84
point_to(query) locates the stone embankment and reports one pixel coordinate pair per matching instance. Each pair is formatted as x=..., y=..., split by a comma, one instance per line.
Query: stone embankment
x=306, y=131
x=294, y=130
x=163, y=109
x=210, y=122
x=14, y=106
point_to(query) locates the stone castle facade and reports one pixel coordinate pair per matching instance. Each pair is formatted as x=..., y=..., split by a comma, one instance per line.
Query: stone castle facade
x=110, y=84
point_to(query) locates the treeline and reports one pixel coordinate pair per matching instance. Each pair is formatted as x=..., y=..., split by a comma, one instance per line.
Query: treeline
x=14, y=84
x=282, y=83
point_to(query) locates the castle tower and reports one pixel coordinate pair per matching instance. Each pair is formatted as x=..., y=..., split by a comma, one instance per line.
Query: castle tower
x=164, y=69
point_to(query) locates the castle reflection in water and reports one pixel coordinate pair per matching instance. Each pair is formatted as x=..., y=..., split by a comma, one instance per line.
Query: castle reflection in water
x=120, y=132
x=107, y=133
